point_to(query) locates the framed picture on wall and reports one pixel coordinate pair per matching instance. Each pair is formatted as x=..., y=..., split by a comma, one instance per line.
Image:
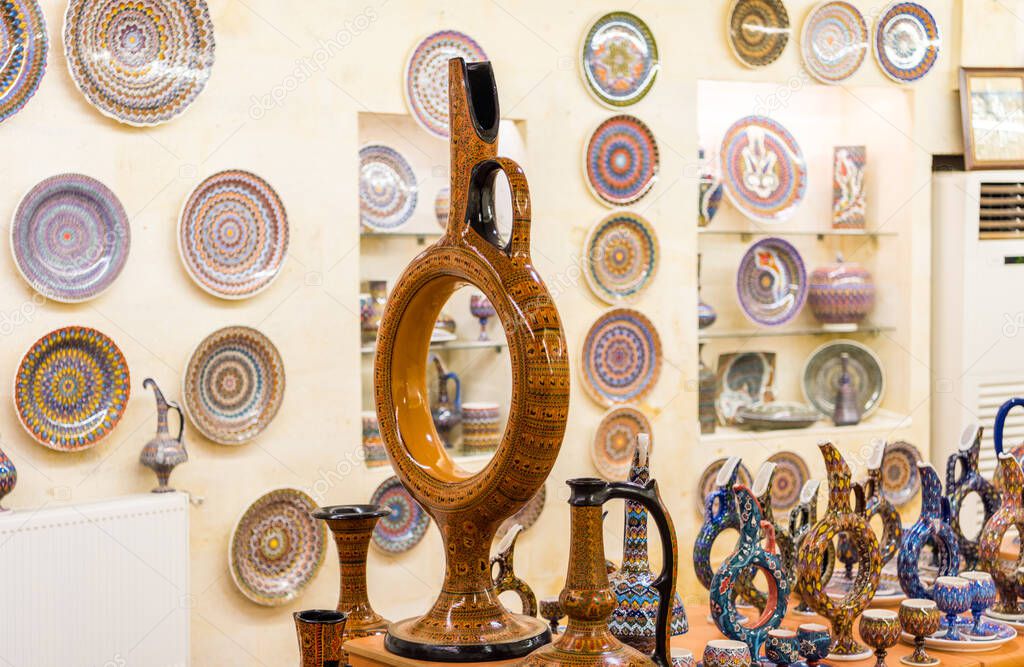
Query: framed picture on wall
x=992, y=109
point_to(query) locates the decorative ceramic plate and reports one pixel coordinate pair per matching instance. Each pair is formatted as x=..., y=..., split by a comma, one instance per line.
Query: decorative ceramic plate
x=744, y=379
x=387, y=188
x=615, y=441
x=758, y=31
x=1003, y=634
x=771, y=282
x=141, y=62
x=907, y=41
x=233, y=234
x=900, y=477
x=791, y=473
x=233, y=385
x=763, y=169
x=426, y=77
x=621, y=357
x=619, y=59
x=707, y=481
x=776, y=416
x=835, y=41
x=277, y=548
x=23, y=48
x=527, y=516
x=406, y=525
x=621, y=160
x=70, y=237
x=621, y=255
x=822, y=371
x=442, y=206
x=71, y=388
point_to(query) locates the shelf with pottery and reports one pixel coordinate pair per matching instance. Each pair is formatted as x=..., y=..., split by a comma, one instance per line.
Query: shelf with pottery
x=748, y=234
x=823, y=330
x=881, y=421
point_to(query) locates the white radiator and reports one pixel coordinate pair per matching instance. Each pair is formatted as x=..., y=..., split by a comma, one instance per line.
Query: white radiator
x=102, y=584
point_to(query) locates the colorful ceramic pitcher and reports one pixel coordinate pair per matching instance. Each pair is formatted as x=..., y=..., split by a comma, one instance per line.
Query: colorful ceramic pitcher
x=505, y=578
x=749, y=556
x=968, y=481
x=1009, y=479
x=840, y=518
x=164, y=451
x=875, y=504
x=802, y=518
x=933, y=526
x=447, y=413
x=762, y=490
x=719, y=515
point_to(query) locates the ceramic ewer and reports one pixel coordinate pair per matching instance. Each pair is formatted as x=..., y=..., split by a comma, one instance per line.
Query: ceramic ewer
x=762, y=489
x=802, y=519
x=503, y=572
x=467, y=621
x=321, y=634
x=963, y=477
x=164, y=451
x=447, y=413
x=587, y=597
x=634, y=619
x=750, y=555
x=933, y=526
x=720, y=514
x=876, y=504
x=840, y=517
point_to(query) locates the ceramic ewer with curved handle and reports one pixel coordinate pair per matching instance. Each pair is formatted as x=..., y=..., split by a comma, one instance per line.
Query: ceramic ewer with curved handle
x=587, y=597
x=719, y=515
x=762, y=490
x=802, y=518
x=876, y=504
x=963, y=478
x=467, y=622
x=503, y=571
x=932, y=527
x=749, y=556
x=840, y=517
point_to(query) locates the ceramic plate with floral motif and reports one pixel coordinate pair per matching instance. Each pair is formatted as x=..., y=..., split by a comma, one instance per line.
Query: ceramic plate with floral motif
x=763, y=169
x=706, y=484
x=744, y=379
x=621, y=257
x=233, y=234
x=406, y=525
x=71, y=388
x=621, y=160
x=823, y=369
x=1001, y=634
x=758, y=31
x=141, y=62
x=771, y=283
x=791, y=473
x=528, y=515
x=907, y=41
x=621, y=357
x=900, y=477
x=23, y=49
x=426, y=77
x=70, y=237
x=615, y=441
x=619, y=59
x=233, y=385
x=387, y=188
x=277, y=548
x=835, y=41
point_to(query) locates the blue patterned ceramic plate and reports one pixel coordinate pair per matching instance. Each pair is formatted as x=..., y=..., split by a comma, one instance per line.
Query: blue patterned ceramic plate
x=621, y=257
x=406, y=525
x=387, y=188
x=70, y=237
x=23, y=48
x=621, y=160
x=619, y=59
x=621, y=357
x=763, y=169
x=907, y=41
x=823, y=368
x=771, y=282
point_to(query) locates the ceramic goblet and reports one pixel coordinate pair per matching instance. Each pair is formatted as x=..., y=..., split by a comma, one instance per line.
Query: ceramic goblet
x=953, y=595
x=682, y=657
x=726, y=653
x=482, y=309
x=551, y=611
x=320, y=633
x=920, y=618
x=880, y=629
x=983, y=596
x=814, y=643
x=781, y=647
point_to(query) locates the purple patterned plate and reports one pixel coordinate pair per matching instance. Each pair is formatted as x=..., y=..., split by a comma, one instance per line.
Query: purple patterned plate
x=406, y=525
x=621, y=160
x=387, y=188
x=426, y=77
x=70, y=237
x=763, y=169
x=621, y=357
x=771, y=282
x=23, y=48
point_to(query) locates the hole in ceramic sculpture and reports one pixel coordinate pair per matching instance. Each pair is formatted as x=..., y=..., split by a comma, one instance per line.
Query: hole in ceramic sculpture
x=489, y=209
x=972, y=512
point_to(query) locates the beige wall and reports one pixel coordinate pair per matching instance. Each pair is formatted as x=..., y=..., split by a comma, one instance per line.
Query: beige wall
x=329, y=61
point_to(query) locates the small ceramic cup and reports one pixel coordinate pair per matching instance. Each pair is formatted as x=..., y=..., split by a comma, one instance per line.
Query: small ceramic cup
x=682, y=657
x=983, y=596
x=726, y=653
x=374, y=453
x=814, y=642
x=321, y=633
x=781, y=647
x=551, y=611
x=880, y=629
x=953, y=596
x=920, y=618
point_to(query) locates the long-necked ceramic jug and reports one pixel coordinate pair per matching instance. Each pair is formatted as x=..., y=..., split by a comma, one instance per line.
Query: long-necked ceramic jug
x=875, y=504
x=164, y=451
x=802, y=518
x=933, y=526
x=504, y=572
x=587, y=597
x=448, y=411
x=762, y=490
x=719, y=515
x=963, y=477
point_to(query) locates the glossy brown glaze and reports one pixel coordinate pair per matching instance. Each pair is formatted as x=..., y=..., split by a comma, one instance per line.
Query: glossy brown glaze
x=467, y=621
x=505, y=578
x=321, y=635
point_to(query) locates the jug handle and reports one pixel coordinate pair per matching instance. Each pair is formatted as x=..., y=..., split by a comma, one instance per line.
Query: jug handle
x=181, y=418
x=860, y=502
x=945, y=510
x=952, y=482
x=458, y=389
x=480, y=213
x=1004, y=410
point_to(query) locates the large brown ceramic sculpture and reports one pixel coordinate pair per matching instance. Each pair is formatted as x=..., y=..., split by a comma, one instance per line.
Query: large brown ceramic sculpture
x=840, y=518
x=467, y=621
x=588, y=599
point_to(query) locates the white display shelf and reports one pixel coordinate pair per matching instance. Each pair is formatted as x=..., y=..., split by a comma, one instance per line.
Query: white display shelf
x=420, y=237
x=882, y=420
x=496, y=345
x=766, y=332
x=821, y=234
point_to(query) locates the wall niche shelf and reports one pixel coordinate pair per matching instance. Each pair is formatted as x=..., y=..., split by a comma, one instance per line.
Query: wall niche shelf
x=748, y=234
x=870, y=329
x=420, y=237
x=881, y=420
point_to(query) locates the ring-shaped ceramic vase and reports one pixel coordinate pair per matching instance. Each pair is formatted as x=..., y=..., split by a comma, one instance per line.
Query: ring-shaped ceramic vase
x=467, y=622
x=840, y=517
x=968, y=481
x=762, y=489
x=750, y=556
x=719, y=515
x=932, y=527
x=802, y=518
x=504, y=573
x=1010, y=483
x=876, y=504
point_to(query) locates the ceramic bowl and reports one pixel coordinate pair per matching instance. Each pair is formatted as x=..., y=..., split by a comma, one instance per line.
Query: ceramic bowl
x=782, y=647
x=726, y=653
x=682, y=657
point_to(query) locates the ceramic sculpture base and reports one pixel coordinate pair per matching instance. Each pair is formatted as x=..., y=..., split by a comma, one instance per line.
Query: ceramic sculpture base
x=853, y=657
x=1016, y=620
x=488, y=644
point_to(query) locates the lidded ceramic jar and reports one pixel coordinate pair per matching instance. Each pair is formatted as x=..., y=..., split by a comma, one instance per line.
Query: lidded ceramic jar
x=841, y=294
